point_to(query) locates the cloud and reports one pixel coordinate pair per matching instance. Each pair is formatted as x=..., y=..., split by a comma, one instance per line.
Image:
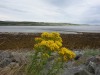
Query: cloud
x=4, y=17
x=36, y=10
x=69, y=11
x=80, y=11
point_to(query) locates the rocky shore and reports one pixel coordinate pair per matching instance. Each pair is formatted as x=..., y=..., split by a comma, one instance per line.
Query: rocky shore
x=13, y=63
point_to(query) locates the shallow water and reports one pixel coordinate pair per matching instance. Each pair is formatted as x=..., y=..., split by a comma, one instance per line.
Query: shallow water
x=61, y=29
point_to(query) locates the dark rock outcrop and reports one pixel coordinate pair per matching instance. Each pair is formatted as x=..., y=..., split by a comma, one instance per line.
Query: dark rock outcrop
x=8, y=57
x=93, y=65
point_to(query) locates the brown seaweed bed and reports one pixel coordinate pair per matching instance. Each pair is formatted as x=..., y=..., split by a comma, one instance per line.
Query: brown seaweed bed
x=19, y=41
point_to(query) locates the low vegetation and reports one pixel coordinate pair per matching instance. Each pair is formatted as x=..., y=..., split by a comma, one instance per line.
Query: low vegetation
x=12, y=23
x=48, y=48
x=91, y=52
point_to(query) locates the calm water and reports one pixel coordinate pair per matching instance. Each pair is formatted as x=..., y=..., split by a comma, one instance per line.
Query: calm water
x=62, y=29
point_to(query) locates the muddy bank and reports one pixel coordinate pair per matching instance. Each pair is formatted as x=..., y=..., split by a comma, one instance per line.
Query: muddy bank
x=71, y=41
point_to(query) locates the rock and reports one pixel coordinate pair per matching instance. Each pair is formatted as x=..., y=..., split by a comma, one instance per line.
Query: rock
x=95, y=59
x=5, y=62
x=90, y=59
x=97, y=71
x=5, y=54
x=72, y=70
x=13, y=65
x=19, y=58
x=1, y=51
x=79, y=52
x=93, y=65
x=82, y=72
x=78, y=57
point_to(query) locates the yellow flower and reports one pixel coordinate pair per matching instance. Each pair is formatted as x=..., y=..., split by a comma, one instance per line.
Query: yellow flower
x=38, y=39
x=66, y=53
x=36, y=46
x=50, y=42
x=55, y=34
x=63, y=51
x=46, y=55
x=43, y=42
x=65, y=58
x=58, y=43
x=46, y=35
x=59, y=39
x=54, y=46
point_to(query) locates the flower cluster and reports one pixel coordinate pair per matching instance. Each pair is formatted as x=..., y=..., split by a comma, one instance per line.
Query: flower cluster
x=51, y=36
x=50, y=45
x=52, y=42
x=66, y=54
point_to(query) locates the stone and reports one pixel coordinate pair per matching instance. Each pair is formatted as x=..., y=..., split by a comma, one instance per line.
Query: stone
x=83, y=72
x=95, y=59
x=79, y=52
x=5, y=54
x=97, y=71
x=19, y=58
x=72, y=70
x=93, y=65
x=78, y=57
x=5, y=62
x=13, y=65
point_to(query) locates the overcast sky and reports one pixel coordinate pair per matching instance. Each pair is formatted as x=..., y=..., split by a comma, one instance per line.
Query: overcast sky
x=69, y=11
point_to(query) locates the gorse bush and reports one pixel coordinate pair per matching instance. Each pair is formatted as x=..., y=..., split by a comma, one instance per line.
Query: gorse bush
x=49, y=49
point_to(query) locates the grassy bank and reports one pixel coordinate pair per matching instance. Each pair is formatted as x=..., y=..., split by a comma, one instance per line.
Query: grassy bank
x=14, y=23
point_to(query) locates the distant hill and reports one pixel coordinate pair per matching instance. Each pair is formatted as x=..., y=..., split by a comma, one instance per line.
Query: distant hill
x=13, y=23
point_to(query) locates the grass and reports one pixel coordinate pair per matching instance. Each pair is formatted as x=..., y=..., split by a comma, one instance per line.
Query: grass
x=15, y=70
x=91, y=52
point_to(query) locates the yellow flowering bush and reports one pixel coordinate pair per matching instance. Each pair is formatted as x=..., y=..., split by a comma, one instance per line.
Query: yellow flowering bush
x=53, y=42
x=47, y=46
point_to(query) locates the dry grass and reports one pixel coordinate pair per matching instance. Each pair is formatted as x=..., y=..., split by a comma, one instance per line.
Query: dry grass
x=15, y=70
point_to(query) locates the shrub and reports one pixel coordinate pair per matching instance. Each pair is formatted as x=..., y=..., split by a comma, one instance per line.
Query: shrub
x=49, y=51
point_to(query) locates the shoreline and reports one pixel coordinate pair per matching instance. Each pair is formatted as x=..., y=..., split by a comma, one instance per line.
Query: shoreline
x=22, y=40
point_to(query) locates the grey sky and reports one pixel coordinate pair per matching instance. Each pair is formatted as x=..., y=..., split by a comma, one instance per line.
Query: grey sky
x=69, y=11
